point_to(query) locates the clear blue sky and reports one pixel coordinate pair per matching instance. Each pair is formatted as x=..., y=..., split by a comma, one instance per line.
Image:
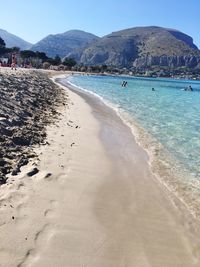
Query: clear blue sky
x=32, y=20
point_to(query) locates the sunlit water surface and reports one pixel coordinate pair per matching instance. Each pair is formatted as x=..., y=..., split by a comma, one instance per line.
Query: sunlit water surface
x=168, y=118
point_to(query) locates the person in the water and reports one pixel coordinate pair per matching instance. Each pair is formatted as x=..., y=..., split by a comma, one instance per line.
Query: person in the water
x=189, y=88
x=124, y=84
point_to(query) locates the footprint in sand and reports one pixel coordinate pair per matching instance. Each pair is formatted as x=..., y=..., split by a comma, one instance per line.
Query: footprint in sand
x=20, y=185
x=13, y=197
x=63, y=178
x=41, y=240
x=49, y=213
x=29, y=257
x=44, y=234
x=21, y=217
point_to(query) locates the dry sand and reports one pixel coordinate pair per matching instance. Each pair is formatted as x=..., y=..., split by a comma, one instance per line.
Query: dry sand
x=94, y=202
x=28, y=102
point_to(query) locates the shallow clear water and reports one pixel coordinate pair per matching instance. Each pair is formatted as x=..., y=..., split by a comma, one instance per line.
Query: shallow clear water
x=169, y=114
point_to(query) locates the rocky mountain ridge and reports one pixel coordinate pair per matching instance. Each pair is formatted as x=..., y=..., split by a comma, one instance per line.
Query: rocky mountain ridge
x=189, y=61
x=12, y=40
x=140, y=47
x=64, y=43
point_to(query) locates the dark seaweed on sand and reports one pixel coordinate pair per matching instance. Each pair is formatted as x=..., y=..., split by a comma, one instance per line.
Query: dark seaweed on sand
x=28, y=102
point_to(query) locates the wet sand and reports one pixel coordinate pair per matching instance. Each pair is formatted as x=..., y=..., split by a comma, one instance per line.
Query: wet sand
x=94, y=201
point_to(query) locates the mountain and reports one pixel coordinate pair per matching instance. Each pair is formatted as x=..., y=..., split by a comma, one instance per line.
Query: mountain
x=12, y=40
x=141, y=47
x=63, y=43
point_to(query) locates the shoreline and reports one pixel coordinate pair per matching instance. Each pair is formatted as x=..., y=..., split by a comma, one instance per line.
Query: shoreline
x=94, y=201
x=179, y=205
x=163, y=165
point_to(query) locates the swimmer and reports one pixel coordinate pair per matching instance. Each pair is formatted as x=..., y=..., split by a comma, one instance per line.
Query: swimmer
x=124, y=83
x=189, y=88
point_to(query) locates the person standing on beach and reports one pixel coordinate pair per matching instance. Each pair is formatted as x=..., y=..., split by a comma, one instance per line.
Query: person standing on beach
x=14, y=61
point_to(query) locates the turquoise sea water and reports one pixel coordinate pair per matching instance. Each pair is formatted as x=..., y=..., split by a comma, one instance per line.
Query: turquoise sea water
x=169, y=115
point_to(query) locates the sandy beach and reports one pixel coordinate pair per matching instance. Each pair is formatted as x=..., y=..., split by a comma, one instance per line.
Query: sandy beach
x=94, y=201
